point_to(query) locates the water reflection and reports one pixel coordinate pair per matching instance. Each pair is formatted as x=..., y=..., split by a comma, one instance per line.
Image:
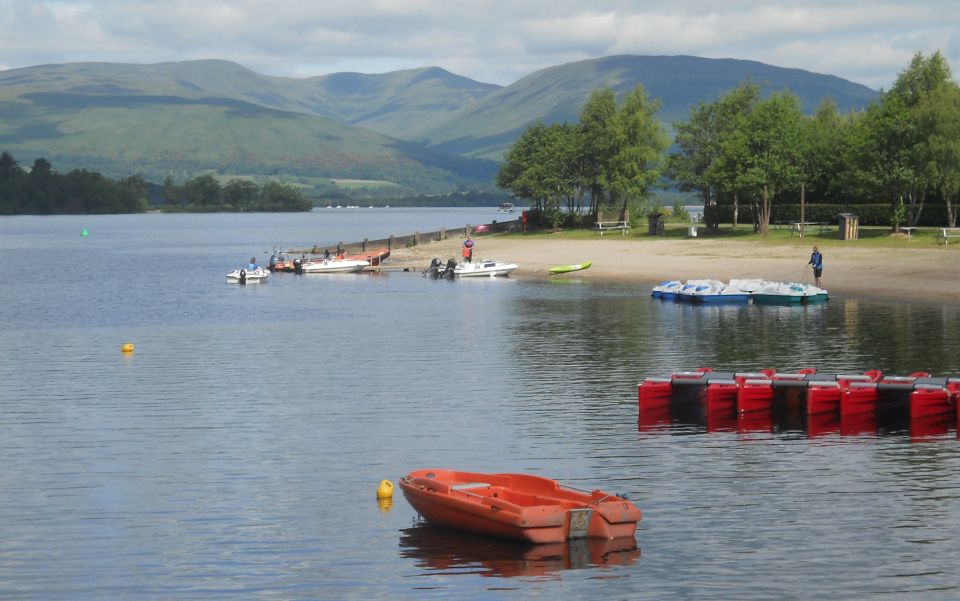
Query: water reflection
x=696, y=420
x=453, y=552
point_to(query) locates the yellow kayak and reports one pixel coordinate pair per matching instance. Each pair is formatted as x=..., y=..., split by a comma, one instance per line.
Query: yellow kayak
x=568, y=268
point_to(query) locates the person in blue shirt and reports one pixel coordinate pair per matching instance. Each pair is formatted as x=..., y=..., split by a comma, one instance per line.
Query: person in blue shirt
x=253, y=264
x=816, y=259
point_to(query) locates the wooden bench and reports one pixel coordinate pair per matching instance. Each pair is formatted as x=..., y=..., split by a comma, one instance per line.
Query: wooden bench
x=606, y=226
x=798, y=228
x=946, y=233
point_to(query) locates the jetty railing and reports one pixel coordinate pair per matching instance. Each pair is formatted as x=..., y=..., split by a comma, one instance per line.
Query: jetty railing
x=415, y=239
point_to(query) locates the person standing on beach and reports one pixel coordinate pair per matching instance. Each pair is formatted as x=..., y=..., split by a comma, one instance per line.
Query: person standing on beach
x=468, y=250
x=816, y=259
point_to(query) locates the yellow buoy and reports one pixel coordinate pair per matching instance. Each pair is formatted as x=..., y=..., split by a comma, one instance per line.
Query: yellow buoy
x=126, y=347
x=385, y=490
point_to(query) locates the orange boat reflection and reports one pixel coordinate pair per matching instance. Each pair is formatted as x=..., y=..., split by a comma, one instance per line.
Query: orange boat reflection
x=454, y=551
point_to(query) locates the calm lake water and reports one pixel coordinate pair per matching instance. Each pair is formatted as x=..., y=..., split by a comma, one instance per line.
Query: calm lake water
x=236, y=453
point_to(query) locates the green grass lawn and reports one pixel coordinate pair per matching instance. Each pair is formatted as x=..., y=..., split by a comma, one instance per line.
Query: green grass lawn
x=869, y=236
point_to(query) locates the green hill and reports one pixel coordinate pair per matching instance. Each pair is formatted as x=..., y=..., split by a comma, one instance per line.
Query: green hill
x=394, y=103
x=214, y=116
x=187, y=118
x=487, y=127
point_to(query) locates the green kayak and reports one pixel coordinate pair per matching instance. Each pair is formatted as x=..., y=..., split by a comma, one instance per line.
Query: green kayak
x=569, y=268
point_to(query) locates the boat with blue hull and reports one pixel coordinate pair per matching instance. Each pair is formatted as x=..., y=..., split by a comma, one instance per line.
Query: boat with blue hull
x=667, y=289
x=742, y=290
x=789, y=293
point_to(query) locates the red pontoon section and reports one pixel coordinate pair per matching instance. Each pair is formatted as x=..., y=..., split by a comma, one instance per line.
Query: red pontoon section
x=859, y=398
x=823, y=398
x=722, y=397
x=928, y=400
x=818, y=402
x=755, y=395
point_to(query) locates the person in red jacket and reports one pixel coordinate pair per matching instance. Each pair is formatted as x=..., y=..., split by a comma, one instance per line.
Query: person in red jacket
x=468, y=250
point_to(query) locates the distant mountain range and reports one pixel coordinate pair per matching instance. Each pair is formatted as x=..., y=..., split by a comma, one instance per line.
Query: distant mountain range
x=421, y=130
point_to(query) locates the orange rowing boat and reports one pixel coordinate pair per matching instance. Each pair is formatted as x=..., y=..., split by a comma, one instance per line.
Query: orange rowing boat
x=519, y=506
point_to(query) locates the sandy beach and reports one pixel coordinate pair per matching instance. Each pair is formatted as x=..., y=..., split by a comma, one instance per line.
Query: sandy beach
x=923, y=274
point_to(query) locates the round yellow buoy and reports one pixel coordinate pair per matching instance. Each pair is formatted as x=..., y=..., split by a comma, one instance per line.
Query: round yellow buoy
x=385, y=490
x=126, y=347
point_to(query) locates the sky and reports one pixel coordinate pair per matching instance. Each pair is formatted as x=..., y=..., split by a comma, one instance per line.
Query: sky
x=493, y=41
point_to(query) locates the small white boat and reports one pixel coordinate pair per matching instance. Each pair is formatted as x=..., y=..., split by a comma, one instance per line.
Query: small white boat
x=714, y=291
x=685, y=292
x=248, y=276
x=666, y=289
x=748, y=285
x=506, y=207
x=483, y=268
x=777, y=293
x=789, y=293
x=333, y=266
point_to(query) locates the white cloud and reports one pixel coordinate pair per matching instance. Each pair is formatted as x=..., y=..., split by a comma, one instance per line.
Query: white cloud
x=865, y=41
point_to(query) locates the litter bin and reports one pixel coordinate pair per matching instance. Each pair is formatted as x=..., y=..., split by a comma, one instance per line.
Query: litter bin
x=692, y=231
x=654, y=225
x=849, y=226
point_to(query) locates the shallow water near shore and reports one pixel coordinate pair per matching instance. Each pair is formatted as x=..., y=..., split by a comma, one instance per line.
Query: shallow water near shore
x=237, y=451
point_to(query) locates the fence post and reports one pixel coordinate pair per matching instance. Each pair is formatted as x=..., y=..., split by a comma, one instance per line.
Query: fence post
x=416, y=238
x=364, y=245
x=390, y=242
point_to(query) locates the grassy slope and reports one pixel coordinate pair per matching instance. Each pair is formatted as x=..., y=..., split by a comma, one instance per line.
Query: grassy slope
x=183, y=118
x=486, y=127
x=218, y=115
x=394, y=103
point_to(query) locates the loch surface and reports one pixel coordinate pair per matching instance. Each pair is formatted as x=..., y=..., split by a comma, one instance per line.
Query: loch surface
x=235, y=454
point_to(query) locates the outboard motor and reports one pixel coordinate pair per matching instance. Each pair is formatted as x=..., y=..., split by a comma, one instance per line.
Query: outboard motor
x=243, y=277
x=448, y=270
x=434, y=270
x=298, y=265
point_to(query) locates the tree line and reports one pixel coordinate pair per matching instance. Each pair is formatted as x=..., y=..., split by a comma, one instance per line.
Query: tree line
x=39, y=190
x=903, y=150
x=204, y=194
x=42, y=191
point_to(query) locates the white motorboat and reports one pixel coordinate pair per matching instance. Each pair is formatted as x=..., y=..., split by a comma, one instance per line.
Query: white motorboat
x=483, y=268
x=248, y=276
x=333, y=266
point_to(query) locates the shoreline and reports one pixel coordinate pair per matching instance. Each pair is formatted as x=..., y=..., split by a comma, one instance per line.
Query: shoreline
x=922, y=275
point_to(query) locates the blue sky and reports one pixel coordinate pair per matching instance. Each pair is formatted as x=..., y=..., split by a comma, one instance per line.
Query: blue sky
x=491, y=41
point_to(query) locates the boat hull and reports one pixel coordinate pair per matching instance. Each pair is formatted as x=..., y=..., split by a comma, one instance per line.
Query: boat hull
x=777, y=299
x=335, y=266
x=720, y=298
x=483, y=269
x=243, y=276
x=517, y=506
